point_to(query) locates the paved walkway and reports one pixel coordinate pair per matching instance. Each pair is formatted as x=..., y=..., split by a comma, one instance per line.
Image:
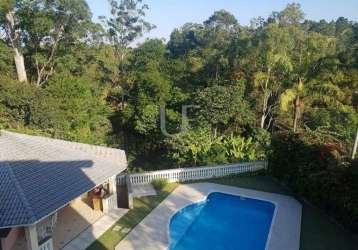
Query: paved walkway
x=85, y=239
x=72, y=220
x=143, y=190
x=152, y=232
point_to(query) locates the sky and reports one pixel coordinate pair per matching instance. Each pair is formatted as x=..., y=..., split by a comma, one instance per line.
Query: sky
x=170, y=14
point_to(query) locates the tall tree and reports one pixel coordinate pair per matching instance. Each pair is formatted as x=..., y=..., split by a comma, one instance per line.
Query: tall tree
x=218, y=105
x=152, y=87
x=291, y=15
x=124, y=26
x=310, y=51
x=50, y=28
x=9, y=23
x=274, y=66
x=222, y=19
x=220, y=30
x=39, y=28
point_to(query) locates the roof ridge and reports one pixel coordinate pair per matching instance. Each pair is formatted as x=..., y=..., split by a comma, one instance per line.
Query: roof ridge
x=99, y=151
x=20, y=193
x=112, y=154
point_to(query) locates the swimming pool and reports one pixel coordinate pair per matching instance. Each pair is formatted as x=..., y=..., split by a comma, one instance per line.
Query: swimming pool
x=222, y=221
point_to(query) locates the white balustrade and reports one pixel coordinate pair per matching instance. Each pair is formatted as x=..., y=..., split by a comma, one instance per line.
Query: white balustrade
x=189, y=174
x=109, y=202
x=121, y=180
x=46, y=245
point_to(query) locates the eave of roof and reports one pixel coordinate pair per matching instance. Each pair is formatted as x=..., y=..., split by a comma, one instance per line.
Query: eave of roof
x=41, y=175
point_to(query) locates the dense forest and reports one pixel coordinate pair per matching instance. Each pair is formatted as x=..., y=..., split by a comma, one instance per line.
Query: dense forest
x=282, y=88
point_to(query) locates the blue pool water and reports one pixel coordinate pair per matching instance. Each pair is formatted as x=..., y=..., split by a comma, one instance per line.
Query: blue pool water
x=222, y=222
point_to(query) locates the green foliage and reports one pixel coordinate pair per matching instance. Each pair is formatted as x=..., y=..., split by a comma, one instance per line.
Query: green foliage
x=313, y=171
x=245, y=80
x=5, y=7
x=67, y=109
x=333, y=124
x=159, y=184
x=16, y=102
x=80, y=113
x=198, y=147
x=43, y=32
x=222, y=19
x=151, y=89
x=292, y=14
x=190, y=147
x=185, y=39
x=147, y=120
x=6, y=61
x=126, y=23
x=218, y=105
x=239, y=149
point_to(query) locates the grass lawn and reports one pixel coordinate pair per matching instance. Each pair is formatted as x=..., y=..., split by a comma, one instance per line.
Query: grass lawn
x=142, y=207
x=318, y=232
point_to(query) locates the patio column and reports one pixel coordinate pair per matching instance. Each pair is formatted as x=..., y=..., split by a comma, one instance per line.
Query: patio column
x=129, y=192
x=113, y=184
x=31, y=237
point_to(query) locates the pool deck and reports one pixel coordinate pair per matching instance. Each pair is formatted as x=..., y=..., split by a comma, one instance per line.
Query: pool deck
x=152, y=232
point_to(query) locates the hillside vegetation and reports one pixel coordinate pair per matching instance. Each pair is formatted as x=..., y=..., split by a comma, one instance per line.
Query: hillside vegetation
x=283, y=88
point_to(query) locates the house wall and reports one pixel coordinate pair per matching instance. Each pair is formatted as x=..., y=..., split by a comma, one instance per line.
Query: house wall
x=8, y=242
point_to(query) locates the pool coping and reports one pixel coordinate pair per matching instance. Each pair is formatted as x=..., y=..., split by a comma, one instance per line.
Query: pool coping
x=152, y=232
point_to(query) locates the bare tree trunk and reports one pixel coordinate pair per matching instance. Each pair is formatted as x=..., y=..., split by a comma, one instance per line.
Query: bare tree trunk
x=355, y=146
x=217, y=72
x=264, y=112
x=297, y=113
x=265, y=103
x=262, y=123
x=14, y=40
x=215, y=131
x=47, y=69
x=20, y=66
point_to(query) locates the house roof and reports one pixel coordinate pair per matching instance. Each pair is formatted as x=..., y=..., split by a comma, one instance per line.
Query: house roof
x=40, y=175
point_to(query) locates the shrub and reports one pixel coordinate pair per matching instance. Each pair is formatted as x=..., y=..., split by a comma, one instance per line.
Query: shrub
x=199, y=147
x=190, y=148
x=159, y=183
x=313, y=171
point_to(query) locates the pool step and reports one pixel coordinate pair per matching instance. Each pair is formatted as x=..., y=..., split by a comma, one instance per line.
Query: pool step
x=178, y=227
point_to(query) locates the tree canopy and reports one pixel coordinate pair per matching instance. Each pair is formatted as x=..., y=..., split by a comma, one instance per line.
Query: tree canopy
x=66, y=76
